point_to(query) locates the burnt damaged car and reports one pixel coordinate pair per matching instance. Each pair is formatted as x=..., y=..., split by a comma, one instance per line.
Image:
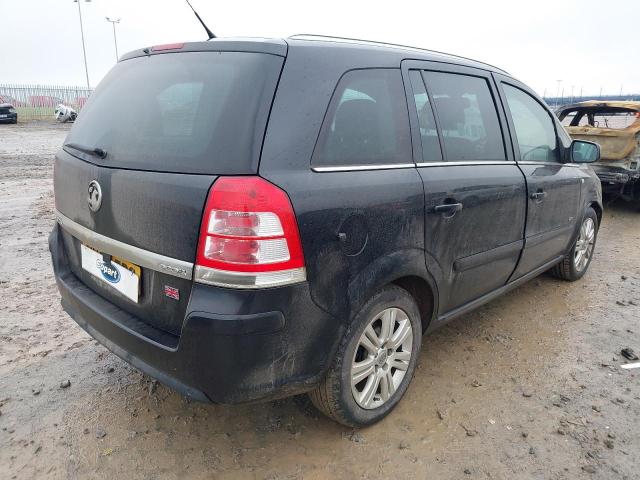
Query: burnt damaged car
x=615, y=126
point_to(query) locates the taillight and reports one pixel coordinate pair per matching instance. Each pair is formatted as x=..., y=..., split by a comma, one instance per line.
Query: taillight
x=249, y=236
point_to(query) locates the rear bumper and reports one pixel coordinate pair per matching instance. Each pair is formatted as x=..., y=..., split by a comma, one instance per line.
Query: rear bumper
x=235, y=346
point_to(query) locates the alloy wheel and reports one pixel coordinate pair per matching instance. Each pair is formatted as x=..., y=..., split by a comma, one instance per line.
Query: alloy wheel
x=584, y=244
x=382, y=358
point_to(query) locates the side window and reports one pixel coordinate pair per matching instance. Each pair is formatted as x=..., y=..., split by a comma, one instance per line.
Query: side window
x=534, y=126
x=467, y=117
x=428, y=132
x=366, y=123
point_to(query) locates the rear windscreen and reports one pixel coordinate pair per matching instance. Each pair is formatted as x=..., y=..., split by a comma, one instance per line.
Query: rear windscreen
x=191, y=112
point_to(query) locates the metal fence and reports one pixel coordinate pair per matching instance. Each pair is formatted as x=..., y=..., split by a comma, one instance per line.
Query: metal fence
x=38, y=102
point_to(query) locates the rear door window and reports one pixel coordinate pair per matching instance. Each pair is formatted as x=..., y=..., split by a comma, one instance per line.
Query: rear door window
x=428, y=131
x=467, y=117
x=190, y=112
x=367, y=122
x=534, y=126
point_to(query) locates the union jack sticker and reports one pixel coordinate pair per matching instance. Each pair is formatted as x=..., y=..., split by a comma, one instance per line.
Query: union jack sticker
x=171, y=292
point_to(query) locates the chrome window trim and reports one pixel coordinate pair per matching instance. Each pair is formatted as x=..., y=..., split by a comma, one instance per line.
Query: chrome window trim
x=139, y=256
x=355, y=168
x=463, y=163
x=532, y=162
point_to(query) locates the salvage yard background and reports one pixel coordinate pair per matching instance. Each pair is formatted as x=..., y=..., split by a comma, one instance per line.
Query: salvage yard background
x=38, y=102
x=529, y=386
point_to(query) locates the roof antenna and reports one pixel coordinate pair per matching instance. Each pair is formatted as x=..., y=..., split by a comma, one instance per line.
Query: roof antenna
x=209, y=32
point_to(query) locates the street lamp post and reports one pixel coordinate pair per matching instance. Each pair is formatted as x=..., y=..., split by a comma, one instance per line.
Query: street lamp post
x=113, y=22
x=84, y=51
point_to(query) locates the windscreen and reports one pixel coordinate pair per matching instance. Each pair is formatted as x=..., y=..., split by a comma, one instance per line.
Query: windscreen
x=188, y=112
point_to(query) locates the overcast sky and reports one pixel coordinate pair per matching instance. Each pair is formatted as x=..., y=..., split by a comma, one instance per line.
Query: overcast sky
x=588, y=44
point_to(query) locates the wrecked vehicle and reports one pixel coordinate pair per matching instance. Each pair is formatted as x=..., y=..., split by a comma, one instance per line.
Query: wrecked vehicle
x=65, y=114
x=615, y=126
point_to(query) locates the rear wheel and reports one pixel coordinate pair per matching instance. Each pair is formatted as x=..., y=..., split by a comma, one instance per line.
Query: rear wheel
x=375, y=361
x=577, y=261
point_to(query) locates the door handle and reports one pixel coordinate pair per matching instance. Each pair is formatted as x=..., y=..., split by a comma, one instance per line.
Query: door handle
x=448, y=209
x=539, y=195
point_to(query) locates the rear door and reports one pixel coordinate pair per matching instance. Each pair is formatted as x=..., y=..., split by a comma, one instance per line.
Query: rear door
x=553, y=187
x=474, y=192
x=165, y=126
x=360, y=205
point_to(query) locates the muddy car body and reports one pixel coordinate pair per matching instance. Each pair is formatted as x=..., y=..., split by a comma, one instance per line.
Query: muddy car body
x=615, y=126
x=276, y=217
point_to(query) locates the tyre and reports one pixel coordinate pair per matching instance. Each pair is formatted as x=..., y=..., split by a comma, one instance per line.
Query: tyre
x=375, y=361
x=575, y=264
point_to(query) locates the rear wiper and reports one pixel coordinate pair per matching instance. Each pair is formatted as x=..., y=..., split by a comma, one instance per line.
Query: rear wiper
x=96, y=152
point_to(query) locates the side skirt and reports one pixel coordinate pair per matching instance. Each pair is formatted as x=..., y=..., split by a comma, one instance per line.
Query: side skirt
x=473, y=304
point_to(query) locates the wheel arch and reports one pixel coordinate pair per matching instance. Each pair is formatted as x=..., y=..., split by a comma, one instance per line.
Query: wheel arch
x=598, y=209
x=406, y=269
x=423, y=295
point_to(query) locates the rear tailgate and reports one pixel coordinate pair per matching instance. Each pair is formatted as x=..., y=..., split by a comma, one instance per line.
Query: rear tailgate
x=169, y=123
x=155, y=212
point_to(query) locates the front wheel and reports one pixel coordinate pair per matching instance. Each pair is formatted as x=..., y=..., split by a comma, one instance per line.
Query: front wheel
x=577, y=261
x=375, y=360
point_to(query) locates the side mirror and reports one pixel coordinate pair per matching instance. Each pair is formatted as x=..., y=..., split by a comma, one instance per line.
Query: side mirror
x=582, y=151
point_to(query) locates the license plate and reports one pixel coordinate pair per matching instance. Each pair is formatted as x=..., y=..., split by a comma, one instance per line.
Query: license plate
x=119, y=274
x=4, y=116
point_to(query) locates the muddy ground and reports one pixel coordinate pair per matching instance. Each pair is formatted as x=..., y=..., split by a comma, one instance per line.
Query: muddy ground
x=529, y=386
